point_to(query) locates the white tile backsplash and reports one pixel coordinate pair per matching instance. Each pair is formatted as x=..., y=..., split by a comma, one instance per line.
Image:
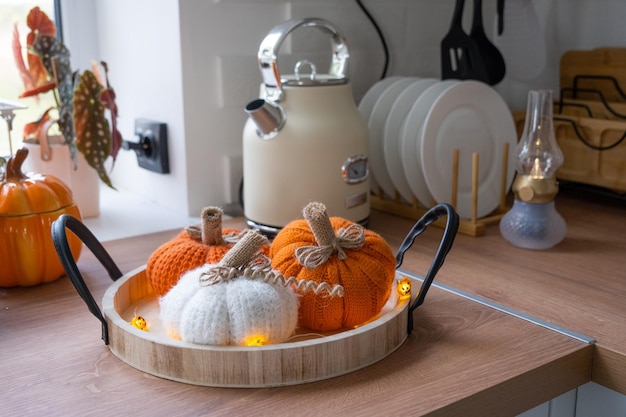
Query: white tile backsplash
x=204, y=53
x=238, y=76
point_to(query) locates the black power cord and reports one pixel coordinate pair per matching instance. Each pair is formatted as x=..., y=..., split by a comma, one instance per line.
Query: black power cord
x=380, y=35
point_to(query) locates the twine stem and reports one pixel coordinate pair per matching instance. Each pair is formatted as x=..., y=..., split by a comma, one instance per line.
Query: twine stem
x=245, y=249
x=351, y=237
x=212, y=226
x=317, y=217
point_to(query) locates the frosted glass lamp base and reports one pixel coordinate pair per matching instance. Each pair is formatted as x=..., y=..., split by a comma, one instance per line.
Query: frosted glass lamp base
x=533, y=225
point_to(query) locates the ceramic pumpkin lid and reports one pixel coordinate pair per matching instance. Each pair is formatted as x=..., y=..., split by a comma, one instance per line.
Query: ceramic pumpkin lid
x=22, y=194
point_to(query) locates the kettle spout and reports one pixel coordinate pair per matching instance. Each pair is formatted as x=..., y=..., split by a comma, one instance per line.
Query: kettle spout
x=268, y=117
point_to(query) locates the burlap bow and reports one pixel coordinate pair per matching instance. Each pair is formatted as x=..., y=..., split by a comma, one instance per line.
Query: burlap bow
x=351, y=237
x=258, y=268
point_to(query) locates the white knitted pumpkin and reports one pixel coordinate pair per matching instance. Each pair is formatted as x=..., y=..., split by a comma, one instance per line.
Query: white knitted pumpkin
x=239, y=311
x=231, y=302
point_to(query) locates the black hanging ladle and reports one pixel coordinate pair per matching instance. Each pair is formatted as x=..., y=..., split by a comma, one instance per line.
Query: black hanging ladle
x=490, y=55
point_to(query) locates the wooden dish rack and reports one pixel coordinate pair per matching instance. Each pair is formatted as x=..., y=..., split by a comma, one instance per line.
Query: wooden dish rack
x=590, y=128
x=590, y=118
x=473, y=226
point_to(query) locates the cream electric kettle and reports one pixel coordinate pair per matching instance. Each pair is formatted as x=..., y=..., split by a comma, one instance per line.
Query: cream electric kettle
x=305, y=139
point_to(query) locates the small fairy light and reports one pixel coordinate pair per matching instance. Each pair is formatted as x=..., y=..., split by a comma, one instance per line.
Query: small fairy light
x=140, y=323
x=173, y=334
x=256, y=340
x=404, y=288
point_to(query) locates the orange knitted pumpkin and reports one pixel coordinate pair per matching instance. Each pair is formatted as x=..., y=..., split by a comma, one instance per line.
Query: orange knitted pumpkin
x=339, y=252
x=193, y=247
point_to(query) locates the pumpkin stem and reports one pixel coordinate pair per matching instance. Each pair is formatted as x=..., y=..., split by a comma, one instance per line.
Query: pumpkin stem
x=244, y=250
x=317, y=217
x=13, y=171
x=212, y=226
x=329, y=243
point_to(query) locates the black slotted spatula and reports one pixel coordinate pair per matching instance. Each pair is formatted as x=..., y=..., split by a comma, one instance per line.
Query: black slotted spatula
x=460, y=55
x=490, y=55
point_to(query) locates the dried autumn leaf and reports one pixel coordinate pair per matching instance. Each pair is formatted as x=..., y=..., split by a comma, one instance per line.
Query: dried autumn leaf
x=27, y=79
x=108, y=98
x=95, y=68
x=33, y=129
x=39, y=90
x=56, y=59
x=93, y=137
x=37, y=70
x=39, y=24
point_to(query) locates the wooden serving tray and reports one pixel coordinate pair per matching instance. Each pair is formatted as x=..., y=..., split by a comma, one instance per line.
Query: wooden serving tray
x=308, y=357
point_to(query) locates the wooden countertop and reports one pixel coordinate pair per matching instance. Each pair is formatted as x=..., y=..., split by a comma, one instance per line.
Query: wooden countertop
x=463, y=358
x=579, y=284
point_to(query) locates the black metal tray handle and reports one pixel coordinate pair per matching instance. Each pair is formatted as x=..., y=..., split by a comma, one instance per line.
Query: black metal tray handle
x=449, y=233
x=59, y=237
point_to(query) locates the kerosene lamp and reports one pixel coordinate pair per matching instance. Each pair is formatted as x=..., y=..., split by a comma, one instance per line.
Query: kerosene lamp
x=533, y=222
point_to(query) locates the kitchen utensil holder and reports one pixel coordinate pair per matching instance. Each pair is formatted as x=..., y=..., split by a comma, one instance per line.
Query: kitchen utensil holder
x=599, y=69
x=612, y=81
x=472, y=226
x=603, y=109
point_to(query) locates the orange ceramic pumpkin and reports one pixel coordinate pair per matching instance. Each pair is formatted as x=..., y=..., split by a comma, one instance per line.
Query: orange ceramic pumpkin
x=193, y=247
x=339, y=252
x=28, y=206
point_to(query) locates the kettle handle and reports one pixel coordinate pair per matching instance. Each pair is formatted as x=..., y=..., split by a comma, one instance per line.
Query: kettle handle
x=268, y=52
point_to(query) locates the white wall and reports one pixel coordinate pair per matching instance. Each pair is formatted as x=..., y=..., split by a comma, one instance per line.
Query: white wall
x=192, y=64
x=140, y=41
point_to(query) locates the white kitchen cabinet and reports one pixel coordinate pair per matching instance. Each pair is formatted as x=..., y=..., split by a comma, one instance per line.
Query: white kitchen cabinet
x=561, y=406
x=594, y=400
x=589, y=400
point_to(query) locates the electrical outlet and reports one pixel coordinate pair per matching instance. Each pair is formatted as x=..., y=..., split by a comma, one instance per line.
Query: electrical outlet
x=151, y=145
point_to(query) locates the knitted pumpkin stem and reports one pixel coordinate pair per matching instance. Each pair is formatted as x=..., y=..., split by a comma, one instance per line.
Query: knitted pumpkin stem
x=244, y=250
x=328, y=243
x=317, y=217
x=212, y=226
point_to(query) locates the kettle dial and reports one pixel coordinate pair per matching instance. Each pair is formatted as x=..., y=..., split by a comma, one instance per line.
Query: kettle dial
x=355, y=169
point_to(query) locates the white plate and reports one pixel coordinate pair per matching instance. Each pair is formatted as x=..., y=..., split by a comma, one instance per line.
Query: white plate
x=371, y=96
x=367, y=104
x=471, y=117
x=392, y=149
x=410, y=137
x=376, y=126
